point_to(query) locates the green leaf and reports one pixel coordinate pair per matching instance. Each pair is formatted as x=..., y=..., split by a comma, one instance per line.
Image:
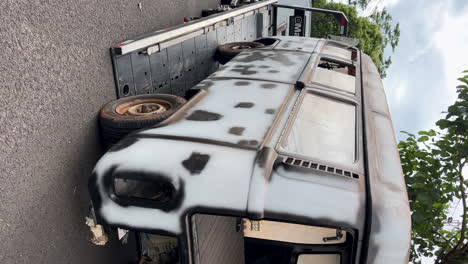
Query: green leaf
x=423, y=138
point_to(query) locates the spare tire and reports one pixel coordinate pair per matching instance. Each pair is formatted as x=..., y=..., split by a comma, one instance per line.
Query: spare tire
x=225, y=52
x=123, y=116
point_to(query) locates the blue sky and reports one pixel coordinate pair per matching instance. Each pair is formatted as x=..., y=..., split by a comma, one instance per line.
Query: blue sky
x=431, y=55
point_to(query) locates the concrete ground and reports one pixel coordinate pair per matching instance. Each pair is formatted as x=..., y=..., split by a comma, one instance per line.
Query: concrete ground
x=55, y=74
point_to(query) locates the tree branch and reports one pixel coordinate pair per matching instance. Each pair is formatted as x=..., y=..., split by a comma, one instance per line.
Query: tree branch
x=463, y=227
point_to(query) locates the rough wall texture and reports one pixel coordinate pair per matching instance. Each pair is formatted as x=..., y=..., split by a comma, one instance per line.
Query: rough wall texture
x=55, y=73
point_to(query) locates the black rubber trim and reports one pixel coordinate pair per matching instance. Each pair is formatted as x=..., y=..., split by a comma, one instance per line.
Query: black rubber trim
x=368, y=219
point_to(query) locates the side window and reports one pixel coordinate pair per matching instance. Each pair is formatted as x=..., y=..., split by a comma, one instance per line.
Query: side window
x=323, y=129
x=237, y=240
x=338, y=75
x=340, y=52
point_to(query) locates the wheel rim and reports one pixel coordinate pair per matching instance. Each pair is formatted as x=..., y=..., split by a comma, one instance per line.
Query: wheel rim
x=145, y=108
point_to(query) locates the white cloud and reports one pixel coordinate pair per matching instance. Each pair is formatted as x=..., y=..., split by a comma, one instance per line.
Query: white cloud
x=451, y=39
x=397, y=94
x=400, y=92
x=419, y=53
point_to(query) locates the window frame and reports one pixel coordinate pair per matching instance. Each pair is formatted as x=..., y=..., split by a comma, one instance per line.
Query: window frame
x=356, y=165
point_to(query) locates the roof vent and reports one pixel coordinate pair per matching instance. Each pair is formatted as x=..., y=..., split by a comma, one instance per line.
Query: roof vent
x=320, y=167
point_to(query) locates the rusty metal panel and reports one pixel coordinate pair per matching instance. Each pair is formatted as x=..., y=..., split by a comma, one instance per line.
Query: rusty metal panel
x=200, y=42
x=190, y=61
x=124, y=76
x=141, y=73
x=249, y=28
x=160, y=72
x=245, y=29
x=266, y=24
x=204, y=55
x=221, y=34
x=259, y=27
x=230, y=33
x=212, y=44
x=211, y=40
x=238, y=31
x=176, y=61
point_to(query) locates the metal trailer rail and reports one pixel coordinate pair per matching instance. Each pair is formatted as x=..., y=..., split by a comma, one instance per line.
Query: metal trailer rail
x=198, y=26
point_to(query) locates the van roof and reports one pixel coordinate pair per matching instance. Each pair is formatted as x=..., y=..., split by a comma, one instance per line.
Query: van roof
x=232, y=149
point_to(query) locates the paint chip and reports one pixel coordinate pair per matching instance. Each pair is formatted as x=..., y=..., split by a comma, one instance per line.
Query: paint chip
x=247, y=142
x=241, y=83
x=244, y=105
x=202, y=115
x=268, y=85
x=196, y=162
x=238, y=131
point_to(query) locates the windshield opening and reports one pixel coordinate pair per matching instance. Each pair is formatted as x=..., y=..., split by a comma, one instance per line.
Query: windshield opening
x=236, y=240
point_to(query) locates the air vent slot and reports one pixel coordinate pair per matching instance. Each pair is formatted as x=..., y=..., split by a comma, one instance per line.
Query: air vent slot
x=320, y=167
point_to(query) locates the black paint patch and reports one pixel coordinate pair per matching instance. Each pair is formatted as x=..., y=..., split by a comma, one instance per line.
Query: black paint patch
x=244, y=105
x=273, y=71
x=241, y=83
x=262, y=56
x=254, y=56
x=248, y=142
x=244, y=69
x=196, y=162
x=269, y=85
x=238, y=131
x=264, y=66
x=202, y=115
x=122, y=144
x=270, y=111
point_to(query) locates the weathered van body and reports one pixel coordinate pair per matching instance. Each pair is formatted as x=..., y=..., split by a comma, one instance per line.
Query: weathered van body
x=297, y=132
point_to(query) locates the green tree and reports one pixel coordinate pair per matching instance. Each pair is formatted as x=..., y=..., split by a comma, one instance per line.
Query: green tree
x=433, y=163
x=375, y=33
